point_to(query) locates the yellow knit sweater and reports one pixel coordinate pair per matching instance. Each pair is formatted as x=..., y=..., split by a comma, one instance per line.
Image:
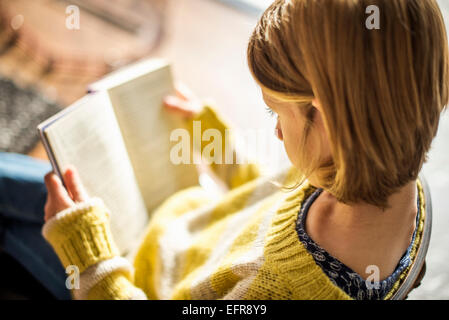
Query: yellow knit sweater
x=242, y=246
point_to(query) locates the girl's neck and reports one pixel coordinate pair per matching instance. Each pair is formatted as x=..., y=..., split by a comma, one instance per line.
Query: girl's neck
x=401, y=205
x=360, y=235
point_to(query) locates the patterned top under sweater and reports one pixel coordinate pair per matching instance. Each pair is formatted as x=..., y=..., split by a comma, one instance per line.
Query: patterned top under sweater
x=341, y=275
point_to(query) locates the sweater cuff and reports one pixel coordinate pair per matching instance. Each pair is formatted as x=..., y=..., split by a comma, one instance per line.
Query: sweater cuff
x=81, y=235
x=98, y=272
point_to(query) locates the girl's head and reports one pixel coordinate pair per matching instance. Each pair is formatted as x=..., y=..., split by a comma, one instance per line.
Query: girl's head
x=358, y=108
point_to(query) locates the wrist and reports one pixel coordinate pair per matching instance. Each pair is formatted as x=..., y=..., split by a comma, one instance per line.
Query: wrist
x=80, y=235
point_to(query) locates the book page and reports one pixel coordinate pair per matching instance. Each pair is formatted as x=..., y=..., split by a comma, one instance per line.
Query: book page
x=89, y=138
x=146, y=130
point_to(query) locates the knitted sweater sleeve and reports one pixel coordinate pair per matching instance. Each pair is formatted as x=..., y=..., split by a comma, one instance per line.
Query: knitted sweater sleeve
x=231, y=166
x=82, y=239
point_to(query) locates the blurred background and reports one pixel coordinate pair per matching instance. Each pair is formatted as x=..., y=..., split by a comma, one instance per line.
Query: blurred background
x=45, y=66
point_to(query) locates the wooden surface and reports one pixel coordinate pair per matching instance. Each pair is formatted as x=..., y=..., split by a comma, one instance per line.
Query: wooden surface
x=60, y=61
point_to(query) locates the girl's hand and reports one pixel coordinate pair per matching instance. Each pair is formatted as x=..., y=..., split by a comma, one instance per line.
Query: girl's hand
x=184, y=103
x=58, y=198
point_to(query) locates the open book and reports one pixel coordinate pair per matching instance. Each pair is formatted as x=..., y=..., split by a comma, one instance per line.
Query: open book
x=118, y=137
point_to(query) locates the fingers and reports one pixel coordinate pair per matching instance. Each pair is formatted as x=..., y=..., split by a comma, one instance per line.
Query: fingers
x=74, y=185
x=180, y=106
x=184, y=103
x=58, y=198
x=175, y=102
x=56, y=190
x=183, y=92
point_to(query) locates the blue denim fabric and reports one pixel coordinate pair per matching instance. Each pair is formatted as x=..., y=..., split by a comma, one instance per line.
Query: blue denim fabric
x=22, y=199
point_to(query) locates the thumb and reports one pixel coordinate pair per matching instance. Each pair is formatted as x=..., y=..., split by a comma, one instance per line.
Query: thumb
x=74, y=185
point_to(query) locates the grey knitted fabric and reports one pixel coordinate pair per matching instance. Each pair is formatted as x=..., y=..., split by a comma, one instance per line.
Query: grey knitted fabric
x=21, y=110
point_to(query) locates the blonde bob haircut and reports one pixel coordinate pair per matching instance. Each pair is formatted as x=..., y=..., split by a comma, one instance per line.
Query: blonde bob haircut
x=381, y=90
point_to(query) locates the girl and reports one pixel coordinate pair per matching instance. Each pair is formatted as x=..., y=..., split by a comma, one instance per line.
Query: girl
x=357, y=111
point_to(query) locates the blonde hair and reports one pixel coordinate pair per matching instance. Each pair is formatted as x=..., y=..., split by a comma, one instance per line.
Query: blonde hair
x=381, y=91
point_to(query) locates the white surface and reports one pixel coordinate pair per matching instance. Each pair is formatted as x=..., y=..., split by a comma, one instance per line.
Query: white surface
x=261, y=4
